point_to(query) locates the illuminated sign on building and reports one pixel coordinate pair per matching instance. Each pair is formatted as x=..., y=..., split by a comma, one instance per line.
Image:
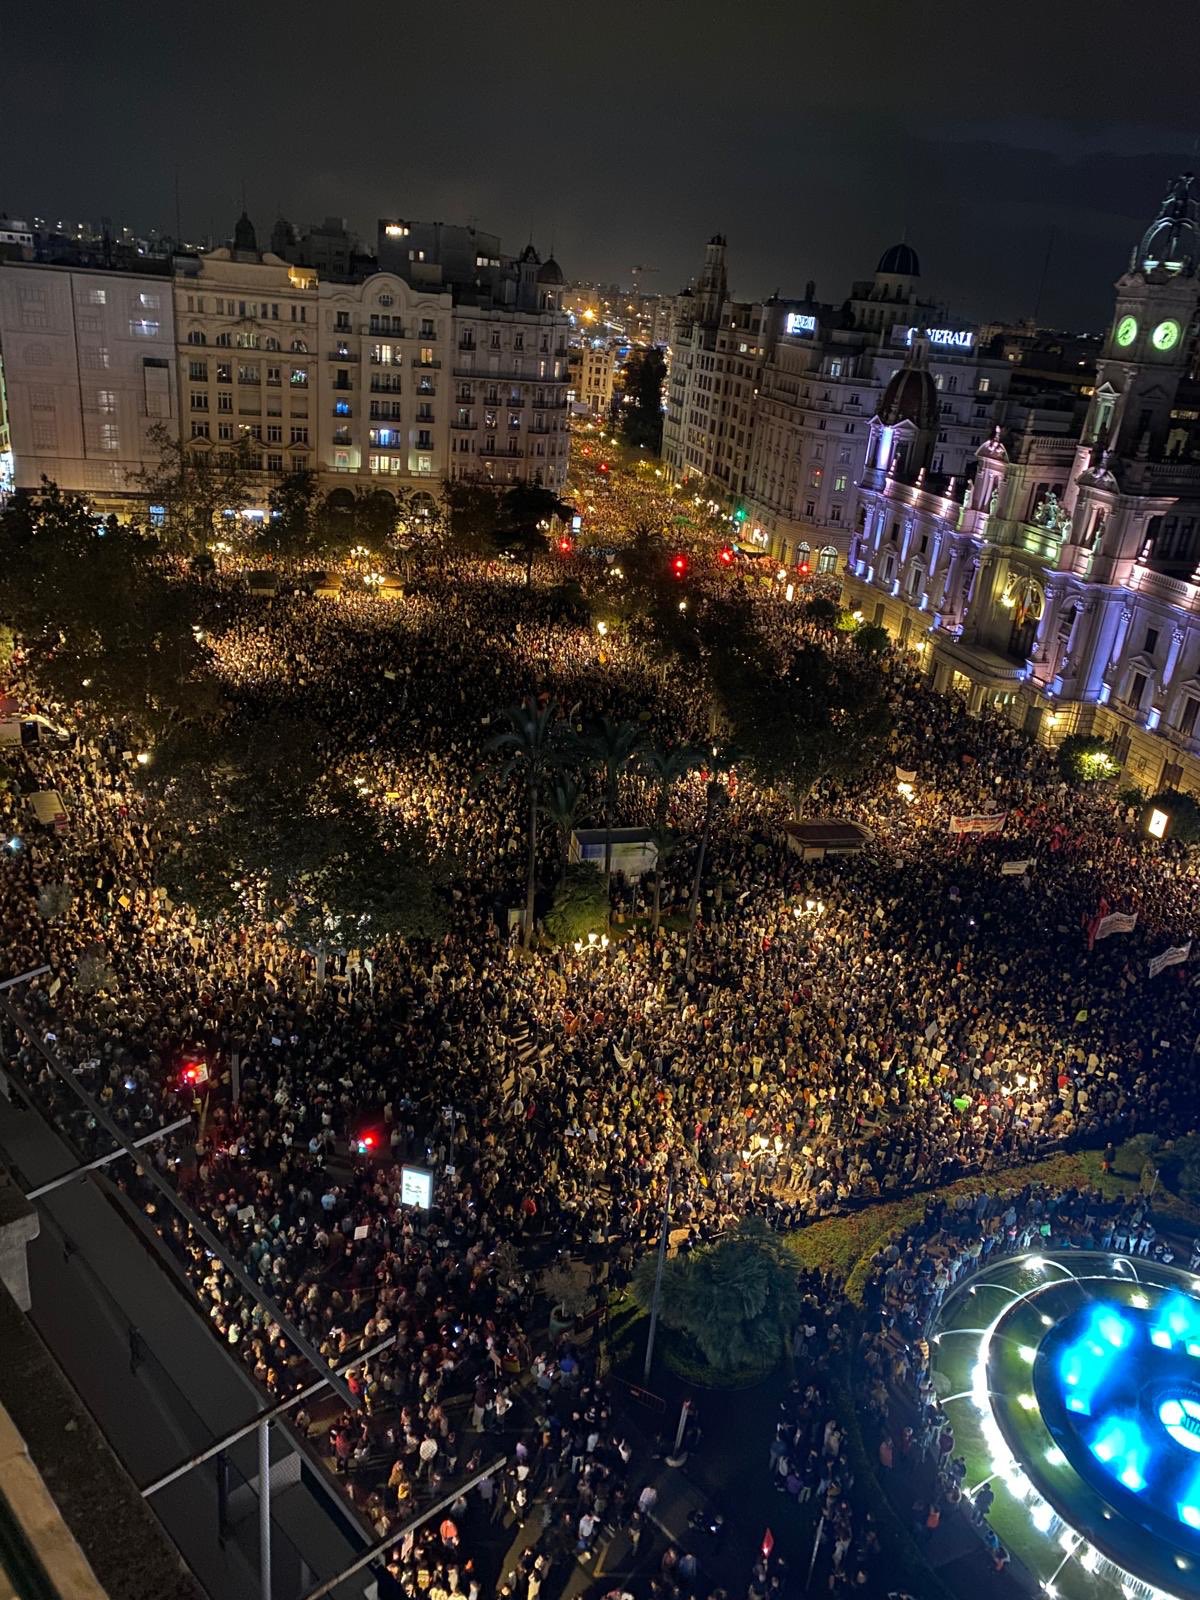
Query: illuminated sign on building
x=948, y=338
x=799, y=322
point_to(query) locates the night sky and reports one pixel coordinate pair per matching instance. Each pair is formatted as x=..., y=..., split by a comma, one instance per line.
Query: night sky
x=812, y=134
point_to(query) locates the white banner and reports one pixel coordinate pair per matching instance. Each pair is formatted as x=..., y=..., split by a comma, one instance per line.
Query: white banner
x=1170, y=958
x=1116, y=922
x=1015, y=869
x=903, y=776
x=985, y=826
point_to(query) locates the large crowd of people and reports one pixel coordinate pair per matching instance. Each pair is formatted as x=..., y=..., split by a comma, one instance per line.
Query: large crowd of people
x=846, y=1030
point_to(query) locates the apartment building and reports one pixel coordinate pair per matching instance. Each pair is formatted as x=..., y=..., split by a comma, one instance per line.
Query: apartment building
x=247, y=332
x=718, y=346
x=384, y=403
x=392, y=378
x=89, y=366
x=594, y=374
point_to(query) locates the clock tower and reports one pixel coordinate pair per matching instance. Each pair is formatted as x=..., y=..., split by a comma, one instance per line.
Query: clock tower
x=1147, y=350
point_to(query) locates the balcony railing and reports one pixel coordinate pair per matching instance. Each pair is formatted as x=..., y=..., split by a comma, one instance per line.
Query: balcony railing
x=417, y=362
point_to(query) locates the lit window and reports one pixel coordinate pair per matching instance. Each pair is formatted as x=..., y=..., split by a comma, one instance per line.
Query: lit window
x=341, y=408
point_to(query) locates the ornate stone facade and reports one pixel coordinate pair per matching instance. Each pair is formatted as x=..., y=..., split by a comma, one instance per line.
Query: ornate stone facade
x=1062, y=583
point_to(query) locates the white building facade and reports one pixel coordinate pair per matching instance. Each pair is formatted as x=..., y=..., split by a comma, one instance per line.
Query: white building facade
x=89, y=367
x=384, y=389
x=379, y=382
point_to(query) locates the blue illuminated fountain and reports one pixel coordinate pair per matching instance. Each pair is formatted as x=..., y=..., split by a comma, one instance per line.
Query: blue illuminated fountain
x=1119, y=1389
x=1073, y=1383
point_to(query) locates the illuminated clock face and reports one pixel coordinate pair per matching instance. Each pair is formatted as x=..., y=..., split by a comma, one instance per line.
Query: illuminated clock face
x=1166, y=335
x=1126, y=330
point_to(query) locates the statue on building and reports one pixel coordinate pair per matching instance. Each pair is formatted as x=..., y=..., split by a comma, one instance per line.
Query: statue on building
x=1053, y=516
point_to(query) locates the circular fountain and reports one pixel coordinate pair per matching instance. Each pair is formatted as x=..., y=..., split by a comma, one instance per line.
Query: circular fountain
x=1072, y=1381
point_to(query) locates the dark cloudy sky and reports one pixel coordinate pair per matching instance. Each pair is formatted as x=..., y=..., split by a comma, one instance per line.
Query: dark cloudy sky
x=811, y=132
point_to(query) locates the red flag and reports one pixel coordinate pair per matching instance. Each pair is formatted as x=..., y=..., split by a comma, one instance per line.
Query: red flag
x=768, y=1543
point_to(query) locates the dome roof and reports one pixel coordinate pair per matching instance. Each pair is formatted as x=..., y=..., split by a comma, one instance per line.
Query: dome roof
x=551, y=273
x=901, y=261
x=911, y=396
x=1172, y=241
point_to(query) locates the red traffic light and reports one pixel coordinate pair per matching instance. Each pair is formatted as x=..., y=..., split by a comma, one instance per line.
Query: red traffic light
x=725, y=556
x=679, y=565
x=564, y=545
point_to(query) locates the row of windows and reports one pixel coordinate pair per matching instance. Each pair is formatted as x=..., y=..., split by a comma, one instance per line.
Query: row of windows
x=264, y=310
x=228, y=430
x=248, y=373
x=246, y=341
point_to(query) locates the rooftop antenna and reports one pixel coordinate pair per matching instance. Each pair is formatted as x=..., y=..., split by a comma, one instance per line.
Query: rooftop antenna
x=178, y=223
x=1037, y=299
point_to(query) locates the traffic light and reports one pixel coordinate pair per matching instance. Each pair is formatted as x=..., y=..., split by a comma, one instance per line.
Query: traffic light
x=193, y=1073
x=725, y=556
x=679, y=565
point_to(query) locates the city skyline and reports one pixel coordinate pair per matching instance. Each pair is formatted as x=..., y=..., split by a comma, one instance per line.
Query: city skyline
x=1017, y=174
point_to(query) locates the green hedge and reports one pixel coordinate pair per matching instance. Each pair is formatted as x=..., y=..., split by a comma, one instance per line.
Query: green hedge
x=846, y=1245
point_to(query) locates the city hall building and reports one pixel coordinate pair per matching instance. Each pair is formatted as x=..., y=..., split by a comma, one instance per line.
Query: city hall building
x=1062, y=584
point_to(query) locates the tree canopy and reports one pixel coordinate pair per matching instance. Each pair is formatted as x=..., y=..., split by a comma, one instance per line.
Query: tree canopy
x=580, y=904
x=101, y=619
x=197, y=489
x=257, y=820
x=1182, y=813
x=641, y=415
x=802, y=721
x=1087, y=758
x=737, y=1300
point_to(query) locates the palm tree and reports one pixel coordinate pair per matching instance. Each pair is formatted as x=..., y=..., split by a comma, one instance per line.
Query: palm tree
x=528, y=746
x=716, y=795
x=562, y=804
x=667, y=765
x=611, y=745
